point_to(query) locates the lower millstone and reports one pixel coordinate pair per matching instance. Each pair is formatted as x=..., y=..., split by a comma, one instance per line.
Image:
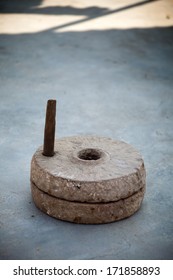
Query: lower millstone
x=87, y=213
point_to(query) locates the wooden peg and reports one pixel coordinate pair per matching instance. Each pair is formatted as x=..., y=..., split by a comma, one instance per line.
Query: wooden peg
x=49, y=131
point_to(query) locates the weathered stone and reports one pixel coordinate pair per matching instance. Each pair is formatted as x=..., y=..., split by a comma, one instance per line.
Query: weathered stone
x=89, y=169
x=87, y=213
x=89, y=180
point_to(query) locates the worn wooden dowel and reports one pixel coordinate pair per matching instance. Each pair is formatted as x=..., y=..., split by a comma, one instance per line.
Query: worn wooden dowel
x=49, y=131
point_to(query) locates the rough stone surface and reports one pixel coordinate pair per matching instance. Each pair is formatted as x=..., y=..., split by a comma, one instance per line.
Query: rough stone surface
x=89, y=180
x=117, y=174
x=87, y=213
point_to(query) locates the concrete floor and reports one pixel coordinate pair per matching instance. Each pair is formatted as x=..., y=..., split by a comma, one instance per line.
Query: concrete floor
x=109, y=64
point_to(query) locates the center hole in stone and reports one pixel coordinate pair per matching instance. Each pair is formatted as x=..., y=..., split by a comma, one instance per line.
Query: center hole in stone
x=89, y=154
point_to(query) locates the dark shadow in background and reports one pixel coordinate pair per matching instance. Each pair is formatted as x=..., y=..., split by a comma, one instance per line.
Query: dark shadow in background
x=29, y=7
x=27, y=56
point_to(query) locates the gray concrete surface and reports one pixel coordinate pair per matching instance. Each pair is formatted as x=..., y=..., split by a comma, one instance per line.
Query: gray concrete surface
x=109, y=80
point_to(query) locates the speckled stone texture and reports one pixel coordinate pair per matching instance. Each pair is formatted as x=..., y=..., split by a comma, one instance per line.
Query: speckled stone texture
x=87, y=213
x=87, y=173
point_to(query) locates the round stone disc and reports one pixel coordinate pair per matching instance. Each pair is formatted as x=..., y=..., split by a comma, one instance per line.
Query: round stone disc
x=89, y=169
x=87, y=213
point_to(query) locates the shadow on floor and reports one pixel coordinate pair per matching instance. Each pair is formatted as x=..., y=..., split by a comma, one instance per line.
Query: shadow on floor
x=109, y=81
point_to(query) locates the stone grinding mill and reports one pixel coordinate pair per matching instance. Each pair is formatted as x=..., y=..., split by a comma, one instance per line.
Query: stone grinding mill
x=86, y=179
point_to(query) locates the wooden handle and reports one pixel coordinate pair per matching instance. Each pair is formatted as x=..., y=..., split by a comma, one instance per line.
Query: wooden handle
x=49, y=131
